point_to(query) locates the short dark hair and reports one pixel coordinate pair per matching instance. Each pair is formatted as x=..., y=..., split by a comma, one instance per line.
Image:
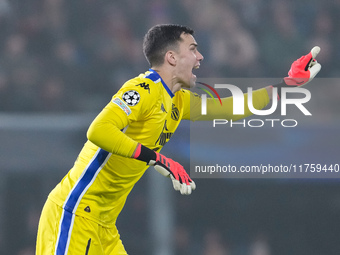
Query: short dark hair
x=160, y=38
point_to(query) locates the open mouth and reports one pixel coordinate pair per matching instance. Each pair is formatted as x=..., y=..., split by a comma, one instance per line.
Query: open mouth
x=195, y=68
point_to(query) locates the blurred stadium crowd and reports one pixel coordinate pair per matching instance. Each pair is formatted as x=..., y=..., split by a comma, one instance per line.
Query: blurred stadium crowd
x=59, y=55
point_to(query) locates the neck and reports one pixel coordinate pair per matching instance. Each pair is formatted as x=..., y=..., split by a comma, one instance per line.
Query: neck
x=169, y=78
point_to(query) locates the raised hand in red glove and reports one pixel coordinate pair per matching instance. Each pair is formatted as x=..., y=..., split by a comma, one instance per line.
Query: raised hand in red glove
x=302, y=71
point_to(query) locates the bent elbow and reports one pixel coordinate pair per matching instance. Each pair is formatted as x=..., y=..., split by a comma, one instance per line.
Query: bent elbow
x=91, y=134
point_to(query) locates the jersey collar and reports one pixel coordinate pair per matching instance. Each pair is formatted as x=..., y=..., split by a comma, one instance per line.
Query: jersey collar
x=155, y=77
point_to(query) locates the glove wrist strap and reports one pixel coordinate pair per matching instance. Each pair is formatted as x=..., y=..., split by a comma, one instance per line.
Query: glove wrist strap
x=144, y=154
x=280, y=85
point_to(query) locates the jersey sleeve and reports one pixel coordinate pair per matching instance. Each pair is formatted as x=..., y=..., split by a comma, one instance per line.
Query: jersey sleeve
x=131, y=103
x=191, y=104
x=225, y=111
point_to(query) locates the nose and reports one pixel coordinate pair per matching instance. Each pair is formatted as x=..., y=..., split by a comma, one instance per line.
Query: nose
x=199, y=56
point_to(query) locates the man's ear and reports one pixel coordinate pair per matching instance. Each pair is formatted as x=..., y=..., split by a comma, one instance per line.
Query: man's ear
x=170, y=57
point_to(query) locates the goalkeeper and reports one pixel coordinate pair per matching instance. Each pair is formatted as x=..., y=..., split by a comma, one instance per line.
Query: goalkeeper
x=79, y=216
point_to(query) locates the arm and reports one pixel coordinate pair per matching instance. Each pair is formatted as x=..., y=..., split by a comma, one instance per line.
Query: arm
x=261, y=98
x=301, y=72
x=105, y=132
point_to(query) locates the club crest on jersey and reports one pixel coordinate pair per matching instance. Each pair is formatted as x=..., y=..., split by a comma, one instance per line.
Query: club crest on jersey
x=131, y=97
x=174, y=113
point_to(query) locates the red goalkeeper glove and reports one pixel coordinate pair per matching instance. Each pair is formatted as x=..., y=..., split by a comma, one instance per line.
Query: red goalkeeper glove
x=301, y=71
x=167, y=167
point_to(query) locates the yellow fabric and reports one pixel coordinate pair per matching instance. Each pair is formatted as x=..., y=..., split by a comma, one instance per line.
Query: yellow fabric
x=152, y=122
x=224, y=111
x=104, y=173
x=104, y=241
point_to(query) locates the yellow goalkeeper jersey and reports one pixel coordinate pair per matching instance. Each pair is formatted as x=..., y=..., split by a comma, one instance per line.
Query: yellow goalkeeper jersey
x=143, y=111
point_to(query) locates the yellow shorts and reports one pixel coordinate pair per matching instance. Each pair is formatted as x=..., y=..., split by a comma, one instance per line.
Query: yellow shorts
x=61, y=232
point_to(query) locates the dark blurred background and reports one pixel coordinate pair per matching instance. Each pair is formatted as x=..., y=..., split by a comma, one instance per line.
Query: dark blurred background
x=61, y=61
